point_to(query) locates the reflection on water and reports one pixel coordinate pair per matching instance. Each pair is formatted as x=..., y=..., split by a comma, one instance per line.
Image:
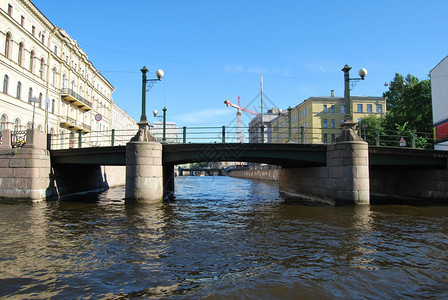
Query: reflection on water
x=221, y=238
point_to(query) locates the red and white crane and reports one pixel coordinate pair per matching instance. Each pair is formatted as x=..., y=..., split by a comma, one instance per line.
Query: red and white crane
x=238, y=106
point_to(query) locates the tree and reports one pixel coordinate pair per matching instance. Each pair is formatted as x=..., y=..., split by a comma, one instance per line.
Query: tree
x=373, y=127
x=409, y=101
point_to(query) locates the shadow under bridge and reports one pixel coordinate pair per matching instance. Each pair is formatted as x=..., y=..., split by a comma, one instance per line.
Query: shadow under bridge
x=285, y=155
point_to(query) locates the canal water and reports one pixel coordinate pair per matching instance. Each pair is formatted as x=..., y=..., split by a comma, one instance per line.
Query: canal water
x=222, y=238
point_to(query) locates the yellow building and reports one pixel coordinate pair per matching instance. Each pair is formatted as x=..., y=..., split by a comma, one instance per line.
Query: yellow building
x=317, y=120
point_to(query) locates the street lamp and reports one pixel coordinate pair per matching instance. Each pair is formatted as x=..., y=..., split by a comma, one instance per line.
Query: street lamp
x=348, y=127
x=155, y=112
x=159, y=74
x=143, y=126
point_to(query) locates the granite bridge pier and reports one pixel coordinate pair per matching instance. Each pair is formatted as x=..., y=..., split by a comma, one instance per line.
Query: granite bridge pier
x=343, y=173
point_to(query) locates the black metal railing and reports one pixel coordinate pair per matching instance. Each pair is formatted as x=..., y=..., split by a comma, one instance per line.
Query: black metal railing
x=18, y=139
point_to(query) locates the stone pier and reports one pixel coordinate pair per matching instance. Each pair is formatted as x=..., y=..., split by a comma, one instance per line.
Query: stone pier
x=144, y=171
x=25, y=173
x=343, y=181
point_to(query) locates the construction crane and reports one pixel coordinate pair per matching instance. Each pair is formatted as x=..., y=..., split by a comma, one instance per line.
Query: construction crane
x=238, y=106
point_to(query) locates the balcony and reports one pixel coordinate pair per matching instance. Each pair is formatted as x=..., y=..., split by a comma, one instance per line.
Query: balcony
x=70, y=96
x=70, y=123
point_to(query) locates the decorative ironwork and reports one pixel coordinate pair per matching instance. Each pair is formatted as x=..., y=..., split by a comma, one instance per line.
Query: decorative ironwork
x=18, y=139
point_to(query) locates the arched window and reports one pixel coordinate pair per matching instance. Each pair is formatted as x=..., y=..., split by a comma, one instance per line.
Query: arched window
x=3, y=122
x=39, y=128
x=17, y=124
x=5, y=84
x=29, y=125
x=64, y=78
x=73, y=85
x=32, y=56
x=40, y=100
x=30, y=94
x=54, y=76
x=41, y=69
x=21, y=49
x=8, y=44
x=19, y=90
x=53, y=102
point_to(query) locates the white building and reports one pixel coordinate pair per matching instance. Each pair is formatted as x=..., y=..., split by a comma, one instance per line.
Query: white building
x=172, y=132
x=255, y=126
x=47, y=79
x=439, y=92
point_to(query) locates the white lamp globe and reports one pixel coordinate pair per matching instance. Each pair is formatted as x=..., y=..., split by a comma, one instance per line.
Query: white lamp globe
x=362, y=72
x=159, y=74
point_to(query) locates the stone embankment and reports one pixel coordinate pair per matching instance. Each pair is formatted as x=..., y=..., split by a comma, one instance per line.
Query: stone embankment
x=264, y=172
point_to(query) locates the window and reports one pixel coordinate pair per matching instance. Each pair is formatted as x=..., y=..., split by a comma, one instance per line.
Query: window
x=325, y=108
x=19, y=90
x=342, y=109
x=32, y=56
x=53, y=77
x=333, y=138
x=41, y=69
x=17, y=124
x=325, y=123
x=3, y=122
x=369, y=108
x=379, y=108
x=8, y=44
x=55, y=50
x=43, y=39
x=325, y=138
x=333, y=123
x=332, y=109
x=5, y=84
x=53, y=102
x=30, y=94
x=33, y=30
x=22, y=21
x=40, y=100
x=20, y=57
x=359, y=107
x=10, y=10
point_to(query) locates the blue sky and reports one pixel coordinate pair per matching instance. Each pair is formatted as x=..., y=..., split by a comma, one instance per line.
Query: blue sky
x=213, y=50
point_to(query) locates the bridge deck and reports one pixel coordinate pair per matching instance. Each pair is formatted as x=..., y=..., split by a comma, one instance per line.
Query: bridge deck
x=286, y=155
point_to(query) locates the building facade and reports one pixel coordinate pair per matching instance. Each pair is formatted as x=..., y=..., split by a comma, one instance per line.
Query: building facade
x=48, y=81
x=255, y=126
x=317, y=120
x=439, y=92
x=172, y=132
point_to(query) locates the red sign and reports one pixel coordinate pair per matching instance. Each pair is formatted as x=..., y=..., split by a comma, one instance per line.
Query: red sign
x=98, y=117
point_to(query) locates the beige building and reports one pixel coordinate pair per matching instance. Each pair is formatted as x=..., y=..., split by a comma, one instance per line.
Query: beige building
x=48, y=80
x=317, y=120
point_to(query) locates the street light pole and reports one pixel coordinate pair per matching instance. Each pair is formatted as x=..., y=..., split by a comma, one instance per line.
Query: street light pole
x=164, y=125
x=143, y=126
x=144, y=70
x=348, y=104
x=289, y=125
x=348, y=127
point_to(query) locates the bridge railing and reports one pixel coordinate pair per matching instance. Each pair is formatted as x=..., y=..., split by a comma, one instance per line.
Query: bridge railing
x=223, y=134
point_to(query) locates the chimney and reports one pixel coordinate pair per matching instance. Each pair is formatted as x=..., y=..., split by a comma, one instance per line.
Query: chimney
x=332, y=93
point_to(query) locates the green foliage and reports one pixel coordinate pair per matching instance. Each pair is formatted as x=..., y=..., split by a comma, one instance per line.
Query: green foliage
x=409, y=102
x=371, y=127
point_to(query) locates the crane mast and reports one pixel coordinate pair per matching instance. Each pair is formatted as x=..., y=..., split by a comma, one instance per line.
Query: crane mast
x=240, y=133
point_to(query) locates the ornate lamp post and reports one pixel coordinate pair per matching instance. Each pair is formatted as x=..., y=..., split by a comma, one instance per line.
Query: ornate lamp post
x=348, y=127
x=143, y=126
